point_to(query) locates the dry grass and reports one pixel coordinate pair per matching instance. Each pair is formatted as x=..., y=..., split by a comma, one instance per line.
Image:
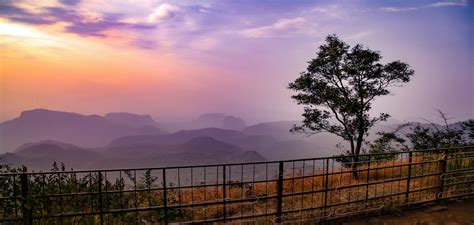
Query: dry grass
x=384, y=184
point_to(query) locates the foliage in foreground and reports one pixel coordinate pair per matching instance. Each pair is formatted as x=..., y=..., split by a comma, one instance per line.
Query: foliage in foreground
x=418, y=137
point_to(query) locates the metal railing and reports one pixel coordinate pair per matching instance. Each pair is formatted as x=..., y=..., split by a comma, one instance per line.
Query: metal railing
x=290, y=191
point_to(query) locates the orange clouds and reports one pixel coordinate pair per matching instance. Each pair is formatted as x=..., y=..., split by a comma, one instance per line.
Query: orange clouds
x=44, y=69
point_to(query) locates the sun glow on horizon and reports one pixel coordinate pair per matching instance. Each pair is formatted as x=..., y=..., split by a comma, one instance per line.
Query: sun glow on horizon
x=20, y=31
x=20, y=35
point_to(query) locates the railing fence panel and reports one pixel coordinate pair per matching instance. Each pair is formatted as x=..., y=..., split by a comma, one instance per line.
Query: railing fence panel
x=291, y=191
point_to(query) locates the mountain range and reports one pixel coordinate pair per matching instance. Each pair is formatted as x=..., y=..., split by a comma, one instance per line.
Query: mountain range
x=200, y=150
x=86, y=131
x=39, y=137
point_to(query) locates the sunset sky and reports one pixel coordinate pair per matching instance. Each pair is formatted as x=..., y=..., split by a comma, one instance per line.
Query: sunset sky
x=178, y=59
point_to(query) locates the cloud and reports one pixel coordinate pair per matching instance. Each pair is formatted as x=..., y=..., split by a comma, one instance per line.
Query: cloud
x=202, y=8
x=62, y=14
x=359, y=35
x=20, y=31
x=397, y=9
x=432, y=5
x=14, y=13
x=95, y=25
x=93, y=28
x=70, y=2
x=333, y=11
x=97, y=28
x=281, y=28
x=164, y=12
x=449, y=3
x=78, y=22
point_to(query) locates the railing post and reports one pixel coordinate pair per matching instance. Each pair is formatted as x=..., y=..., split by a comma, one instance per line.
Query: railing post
x=326, y=186
x=367, y=183
x=224, y=193
x=165, y=200
x=101, y=208
x=279, y=192
x=407, y=192
x=441, y=171
x=25, y=207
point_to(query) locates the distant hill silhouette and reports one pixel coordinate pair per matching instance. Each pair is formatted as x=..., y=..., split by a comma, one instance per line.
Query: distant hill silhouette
x=233, y=123
x=210, y=120
x=267, y=146
x=199, y=150
x=87, y=131
x=177, y=137
x=200, y=145
x=279, y=129
x=41, y=155
x=217, y=120
x=208, y=145
x=237, y=138
x=39, y=137
x=64, y=146
x=131, y=120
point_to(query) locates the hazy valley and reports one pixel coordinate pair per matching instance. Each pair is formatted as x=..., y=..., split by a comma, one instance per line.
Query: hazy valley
x=39, y=137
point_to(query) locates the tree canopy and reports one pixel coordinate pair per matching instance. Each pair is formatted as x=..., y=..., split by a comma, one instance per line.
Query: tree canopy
x=339, y=87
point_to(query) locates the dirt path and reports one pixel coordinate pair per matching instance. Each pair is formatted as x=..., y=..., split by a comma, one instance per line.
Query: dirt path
x=453, y=213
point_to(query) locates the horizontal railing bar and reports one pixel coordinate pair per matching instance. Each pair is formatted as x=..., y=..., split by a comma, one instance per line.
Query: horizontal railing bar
x=458, y=171
x=231, y=218
x=459, y=158
x=457, y=183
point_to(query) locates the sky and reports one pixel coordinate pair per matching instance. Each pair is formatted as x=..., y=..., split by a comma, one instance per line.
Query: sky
x=175, y=60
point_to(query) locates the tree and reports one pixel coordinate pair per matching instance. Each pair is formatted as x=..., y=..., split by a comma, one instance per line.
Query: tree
x=435, y=136
x=339, y=87
x=469, y=130
x=418, y=136
x=388, y=142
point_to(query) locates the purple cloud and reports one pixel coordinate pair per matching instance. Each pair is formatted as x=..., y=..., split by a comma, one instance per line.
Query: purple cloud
x=76, y=21
x=164, y=12
x=282, y=28
x=13, y=13
x=92, y=28
x=97, y=28
x=70, y=2
x=62, y=14
x=461, y=3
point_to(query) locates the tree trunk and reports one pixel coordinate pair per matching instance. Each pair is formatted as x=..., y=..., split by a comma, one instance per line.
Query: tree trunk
x=355, y=158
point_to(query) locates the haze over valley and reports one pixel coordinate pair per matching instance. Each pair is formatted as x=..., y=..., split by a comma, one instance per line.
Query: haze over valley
x=39, y=137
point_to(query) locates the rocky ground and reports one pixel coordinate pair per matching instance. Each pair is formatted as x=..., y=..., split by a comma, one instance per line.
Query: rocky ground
x=451, y=213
